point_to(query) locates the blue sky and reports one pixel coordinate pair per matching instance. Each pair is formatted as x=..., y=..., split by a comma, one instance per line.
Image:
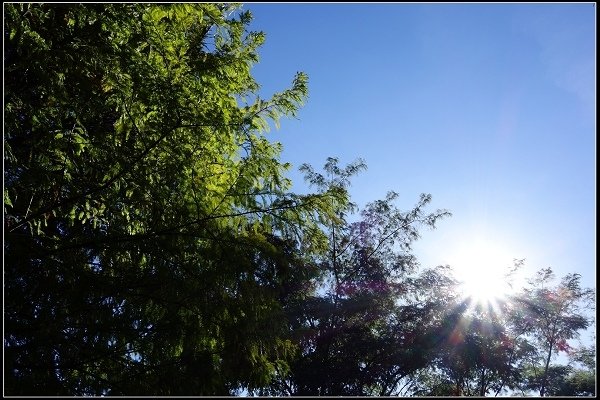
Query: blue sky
x=488, y=107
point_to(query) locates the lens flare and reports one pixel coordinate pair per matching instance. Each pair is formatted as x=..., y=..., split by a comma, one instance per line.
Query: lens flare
x=482, y=266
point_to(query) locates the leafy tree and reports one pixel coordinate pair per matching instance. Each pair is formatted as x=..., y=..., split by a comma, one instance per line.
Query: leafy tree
x=152, y=245
x=551, y=316
x=510, y=346
x=149, y=228
x=480, y=356
x=368, y=323
x=569, y=380
x=563, y=380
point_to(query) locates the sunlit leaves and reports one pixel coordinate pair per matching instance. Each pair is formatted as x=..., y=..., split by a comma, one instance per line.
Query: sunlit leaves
x=129, y=156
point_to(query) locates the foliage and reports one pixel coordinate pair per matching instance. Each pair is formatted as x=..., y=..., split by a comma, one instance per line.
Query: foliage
x=147, y=217
x=551, y=316
x=153, y=246
x=562, y=380
x=566, y=380
x=369, y=321
x=480, y=356
x=501, y=348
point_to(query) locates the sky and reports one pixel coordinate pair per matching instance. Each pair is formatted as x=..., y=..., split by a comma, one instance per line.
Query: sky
x=490, y=108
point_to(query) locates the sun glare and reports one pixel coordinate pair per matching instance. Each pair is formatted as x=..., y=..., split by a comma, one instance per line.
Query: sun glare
x=481, y=266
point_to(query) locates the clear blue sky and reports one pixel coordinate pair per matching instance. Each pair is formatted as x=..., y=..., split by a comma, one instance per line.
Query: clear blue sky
x=488, y=107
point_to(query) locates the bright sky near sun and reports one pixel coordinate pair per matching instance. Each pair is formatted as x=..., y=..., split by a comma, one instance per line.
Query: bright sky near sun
x=488, y=107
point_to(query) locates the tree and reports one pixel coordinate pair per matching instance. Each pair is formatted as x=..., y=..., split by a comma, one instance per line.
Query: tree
x=369, y=321
x=148, y=224
x=479, y=356
x=551, y=316
x=564, y=380
x=576, y=379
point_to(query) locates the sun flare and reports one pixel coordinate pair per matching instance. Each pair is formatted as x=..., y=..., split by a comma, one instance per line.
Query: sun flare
x=481, y=267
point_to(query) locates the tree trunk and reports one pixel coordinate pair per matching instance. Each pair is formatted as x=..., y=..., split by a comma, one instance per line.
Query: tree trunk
x=482, y=387
x=545, y=376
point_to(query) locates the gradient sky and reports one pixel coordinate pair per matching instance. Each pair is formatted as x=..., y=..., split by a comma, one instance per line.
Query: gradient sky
x=488, y=107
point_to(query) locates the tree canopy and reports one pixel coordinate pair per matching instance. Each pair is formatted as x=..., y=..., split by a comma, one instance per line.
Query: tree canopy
x=145, y=209
x=153, y=245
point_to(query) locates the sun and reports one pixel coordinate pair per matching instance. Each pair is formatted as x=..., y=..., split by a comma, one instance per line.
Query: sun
x=481, y=265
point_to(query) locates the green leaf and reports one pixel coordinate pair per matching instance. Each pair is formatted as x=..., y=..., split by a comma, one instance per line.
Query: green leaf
x=7, y=201
x=142, y=96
